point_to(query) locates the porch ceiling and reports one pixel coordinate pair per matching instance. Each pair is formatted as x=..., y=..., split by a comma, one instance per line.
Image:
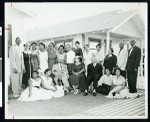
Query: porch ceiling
x=116, y=36
x=98, y=22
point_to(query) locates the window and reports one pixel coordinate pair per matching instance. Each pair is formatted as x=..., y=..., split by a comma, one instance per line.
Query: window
x=69, y=42
x=110, y=45
x=58, y=43
x=64, y=42
x=93, y=42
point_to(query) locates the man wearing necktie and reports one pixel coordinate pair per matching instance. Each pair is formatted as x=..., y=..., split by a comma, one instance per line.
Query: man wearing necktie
x=94, y=72
x=133, y=63
x=122, y=59
x=17, y=67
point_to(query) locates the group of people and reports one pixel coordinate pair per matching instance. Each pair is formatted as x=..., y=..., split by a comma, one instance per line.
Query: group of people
x=53, y=72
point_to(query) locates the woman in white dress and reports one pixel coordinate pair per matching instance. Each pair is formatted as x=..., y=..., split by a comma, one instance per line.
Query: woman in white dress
x=43, y=57
x=34, y=91
x=119, y=89
x=50, y=90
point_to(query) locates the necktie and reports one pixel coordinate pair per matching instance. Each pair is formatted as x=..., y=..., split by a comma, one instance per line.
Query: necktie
x=120, y=51
x=130, y=50
x=61, y=67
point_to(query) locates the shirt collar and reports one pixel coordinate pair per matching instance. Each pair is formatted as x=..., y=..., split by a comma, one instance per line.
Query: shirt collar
x=16, y=45
x=94, y=63
x=132, y=47
x=110, y=55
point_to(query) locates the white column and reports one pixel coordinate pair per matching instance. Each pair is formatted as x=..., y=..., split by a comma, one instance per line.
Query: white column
x=141, y=63
x=83, y=40
x=140, y=78
x=108, y=41
x=103, y=46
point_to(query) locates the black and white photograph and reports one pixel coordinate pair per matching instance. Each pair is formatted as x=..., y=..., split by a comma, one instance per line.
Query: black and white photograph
x=76, y=60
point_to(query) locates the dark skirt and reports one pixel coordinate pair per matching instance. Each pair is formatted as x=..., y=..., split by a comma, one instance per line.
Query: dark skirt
x=26, y=75
x=104, y=89
x=51, y=62
x=78, y=80
x=69, y=68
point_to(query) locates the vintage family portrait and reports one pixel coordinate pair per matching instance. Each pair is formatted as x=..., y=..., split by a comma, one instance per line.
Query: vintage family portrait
x=76, y=60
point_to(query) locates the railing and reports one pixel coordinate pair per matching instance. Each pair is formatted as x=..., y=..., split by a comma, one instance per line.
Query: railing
x=141, y=77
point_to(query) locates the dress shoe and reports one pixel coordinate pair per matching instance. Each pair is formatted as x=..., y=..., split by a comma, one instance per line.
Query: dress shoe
x=65, y=92
x=90, y=91
x=16, y=96
x=114, y=93
x=94, y=93
x=85, y=94
x=75, y=92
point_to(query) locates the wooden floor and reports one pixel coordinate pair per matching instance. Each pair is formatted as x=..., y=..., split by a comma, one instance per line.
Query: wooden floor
x=125, y=107
x=78, y=106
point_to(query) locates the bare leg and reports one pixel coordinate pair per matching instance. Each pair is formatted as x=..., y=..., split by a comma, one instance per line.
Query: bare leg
x=75, y=89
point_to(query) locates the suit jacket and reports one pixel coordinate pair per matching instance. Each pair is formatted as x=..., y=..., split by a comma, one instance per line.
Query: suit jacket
x=16, y=59
x=133, y=59
x=122, y=59
x=94, y=71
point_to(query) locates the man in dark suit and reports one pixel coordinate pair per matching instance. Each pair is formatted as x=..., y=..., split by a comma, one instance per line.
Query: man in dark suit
x=133, y=62
x=94, y=72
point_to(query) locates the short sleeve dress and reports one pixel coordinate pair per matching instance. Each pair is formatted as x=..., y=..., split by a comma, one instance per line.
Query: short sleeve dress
x=27, y=65
x=36, y=92
x=34, y=61
x=80, y=79
x=61, y=57
x=43, y=57
x=119, y=82
x=51, y=58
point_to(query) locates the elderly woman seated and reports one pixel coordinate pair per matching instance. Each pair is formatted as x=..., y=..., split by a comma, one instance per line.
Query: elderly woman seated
x=105, y=83
x=60, y=73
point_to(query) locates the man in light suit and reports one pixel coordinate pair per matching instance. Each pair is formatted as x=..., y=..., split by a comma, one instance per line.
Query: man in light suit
x=122, y=59
x=17, y=67
x=60, y=72
x=133, y=63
